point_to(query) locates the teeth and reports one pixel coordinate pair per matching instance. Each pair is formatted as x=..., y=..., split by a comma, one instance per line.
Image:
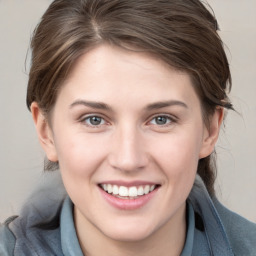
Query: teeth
x=128, y=191
x=115, y=190
x=123, y=191
x=133, y=191
x=146, y=189
x=110, y=188
x=140, y=191
x=152, y=188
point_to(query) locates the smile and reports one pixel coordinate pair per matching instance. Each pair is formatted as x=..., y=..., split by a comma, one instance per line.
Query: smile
x=124, y=192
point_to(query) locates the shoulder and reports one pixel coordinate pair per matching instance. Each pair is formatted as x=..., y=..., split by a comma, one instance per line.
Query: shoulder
x=36, y=231
x=226, y=230
x=31, y=234
x=241, y=232
x=7, y=239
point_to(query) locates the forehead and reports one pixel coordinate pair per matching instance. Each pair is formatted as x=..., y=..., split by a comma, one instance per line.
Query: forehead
x=108, y=72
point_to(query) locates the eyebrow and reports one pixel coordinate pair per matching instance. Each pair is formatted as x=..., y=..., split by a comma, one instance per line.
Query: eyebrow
x=163, y=104
x=150, y=107
x=91, y=104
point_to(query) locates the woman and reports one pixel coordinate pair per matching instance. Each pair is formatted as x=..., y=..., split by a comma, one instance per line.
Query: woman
x=128, y=98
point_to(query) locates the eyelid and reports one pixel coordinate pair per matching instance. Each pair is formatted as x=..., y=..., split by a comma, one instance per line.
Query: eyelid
x=170, y=116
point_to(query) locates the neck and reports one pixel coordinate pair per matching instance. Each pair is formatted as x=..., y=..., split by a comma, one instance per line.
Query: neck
x=168, y=240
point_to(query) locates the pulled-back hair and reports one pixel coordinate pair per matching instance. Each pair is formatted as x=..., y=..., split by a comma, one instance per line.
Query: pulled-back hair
x=183, y=33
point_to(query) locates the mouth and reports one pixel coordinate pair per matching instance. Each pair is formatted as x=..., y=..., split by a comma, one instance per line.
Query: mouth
x=131, y=192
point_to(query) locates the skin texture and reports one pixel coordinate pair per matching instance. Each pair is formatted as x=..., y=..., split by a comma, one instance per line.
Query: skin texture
x=127, y=145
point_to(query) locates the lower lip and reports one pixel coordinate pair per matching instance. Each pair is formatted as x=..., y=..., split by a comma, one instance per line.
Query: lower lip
x=128, y=204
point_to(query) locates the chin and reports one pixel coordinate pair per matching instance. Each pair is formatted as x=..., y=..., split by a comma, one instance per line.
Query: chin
x=128, y=236
x=130, y=232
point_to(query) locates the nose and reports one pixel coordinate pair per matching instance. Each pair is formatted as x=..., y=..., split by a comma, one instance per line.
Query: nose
x=128, y=152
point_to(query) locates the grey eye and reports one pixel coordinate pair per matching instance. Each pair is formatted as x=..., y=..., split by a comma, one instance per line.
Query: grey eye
x=94, y=120
x=161, y=120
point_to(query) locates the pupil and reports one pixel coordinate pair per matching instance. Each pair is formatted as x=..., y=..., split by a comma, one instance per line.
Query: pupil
x=95, y=120
x=161, y=120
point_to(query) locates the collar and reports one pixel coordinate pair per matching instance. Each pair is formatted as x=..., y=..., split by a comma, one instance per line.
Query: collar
x=69, y=241
x=211, y=224
x=187, y=250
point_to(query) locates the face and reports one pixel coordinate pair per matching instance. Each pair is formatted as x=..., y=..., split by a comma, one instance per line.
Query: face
x=127, y=131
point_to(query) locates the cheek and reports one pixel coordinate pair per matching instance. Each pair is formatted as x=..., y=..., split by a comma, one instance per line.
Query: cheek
x=79, y=154
x=177, y=156
x=180, y=150
x=79, y=157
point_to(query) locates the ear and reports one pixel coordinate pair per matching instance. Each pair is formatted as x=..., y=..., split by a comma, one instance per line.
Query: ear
x=44, y=132
x=211, y=133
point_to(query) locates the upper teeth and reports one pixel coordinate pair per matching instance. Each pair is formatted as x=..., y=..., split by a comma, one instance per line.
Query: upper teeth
x=128, y=191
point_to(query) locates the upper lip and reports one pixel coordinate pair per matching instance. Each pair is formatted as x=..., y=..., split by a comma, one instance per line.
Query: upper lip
x=129, y=183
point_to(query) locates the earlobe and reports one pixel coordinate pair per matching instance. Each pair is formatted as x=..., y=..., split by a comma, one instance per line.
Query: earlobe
x=211, y=133
x=44, y=132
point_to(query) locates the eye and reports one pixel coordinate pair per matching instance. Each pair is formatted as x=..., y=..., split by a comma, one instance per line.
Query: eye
x=161, y=120
x=94, y=121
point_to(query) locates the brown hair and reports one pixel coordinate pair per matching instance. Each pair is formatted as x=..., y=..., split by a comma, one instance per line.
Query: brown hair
x=183, y=33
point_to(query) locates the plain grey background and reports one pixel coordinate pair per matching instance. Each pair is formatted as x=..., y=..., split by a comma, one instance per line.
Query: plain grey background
x=21, y=157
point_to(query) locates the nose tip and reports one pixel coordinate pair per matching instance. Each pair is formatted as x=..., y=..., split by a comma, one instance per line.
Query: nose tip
x=127, y=163
x=128, y=154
